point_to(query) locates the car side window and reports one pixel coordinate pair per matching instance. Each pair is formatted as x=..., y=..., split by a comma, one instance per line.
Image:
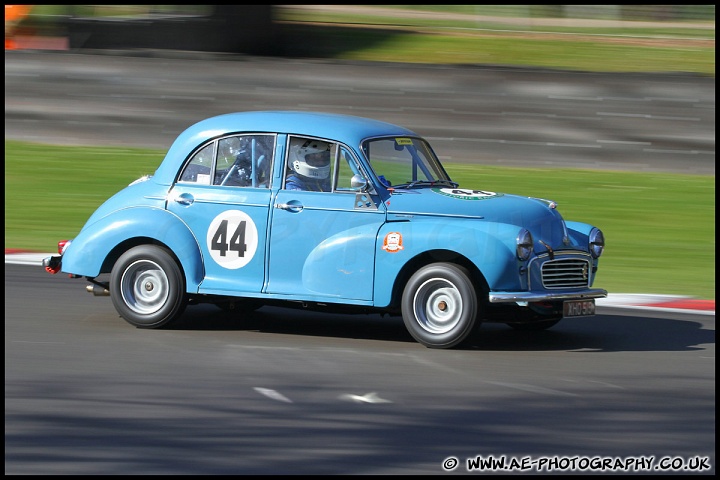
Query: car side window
x=199, y=169
x=244, y=161
x=347, y=169
x=235, y=161
x=310, y=164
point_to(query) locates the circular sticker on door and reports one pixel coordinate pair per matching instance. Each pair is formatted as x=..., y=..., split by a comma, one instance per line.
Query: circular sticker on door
x=466, y=194
x=232, y=239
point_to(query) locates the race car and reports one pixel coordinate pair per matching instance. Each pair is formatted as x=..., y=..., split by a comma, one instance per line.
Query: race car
x=336, y=213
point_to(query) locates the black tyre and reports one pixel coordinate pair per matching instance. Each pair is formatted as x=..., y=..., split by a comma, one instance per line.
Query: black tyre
x=439, y=305
x=535, y=326
x=147, y=287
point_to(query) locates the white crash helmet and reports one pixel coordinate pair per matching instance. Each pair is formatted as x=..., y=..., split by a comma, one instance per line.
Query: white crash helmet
x=310, y=158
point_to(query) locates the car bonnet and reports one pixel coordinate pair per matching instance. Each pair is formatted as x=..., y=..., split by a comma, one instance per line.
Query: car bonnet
x=445, y=204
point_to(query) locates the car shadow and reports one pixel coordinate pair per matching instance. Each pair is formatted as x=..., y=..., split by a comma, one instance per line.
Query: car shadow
x=601, y=333
x=295, y=321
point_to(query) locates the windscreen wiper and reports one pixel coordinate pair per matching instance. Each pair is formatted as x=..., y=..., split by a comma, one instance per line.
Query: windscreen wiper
x=428, y=183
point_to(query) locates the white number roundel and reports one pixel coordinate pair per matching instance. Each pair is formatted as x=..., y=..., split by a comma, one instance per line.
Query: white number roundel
x=232, y=239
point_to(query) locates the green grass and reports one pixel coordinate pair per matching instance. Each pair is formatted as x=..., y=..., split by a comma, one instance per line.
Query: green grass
x=50, y=191
x=438, y=40
x=567, y=53
x=579, y=55
x=659, y=228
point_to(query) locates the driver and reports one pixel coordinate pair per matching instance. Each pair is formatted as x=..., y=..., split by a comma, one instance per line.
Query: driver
x=308, y=165
x=257, y=145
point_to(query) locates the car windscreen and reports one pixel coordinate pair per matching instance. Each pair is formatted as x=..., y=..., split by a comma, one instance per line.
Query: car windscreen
x=405, y=162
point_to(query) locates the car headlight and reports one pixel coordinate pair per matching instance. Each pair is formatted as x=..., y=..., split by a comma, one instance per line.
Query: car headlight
x=596, y=242
x=524, y=242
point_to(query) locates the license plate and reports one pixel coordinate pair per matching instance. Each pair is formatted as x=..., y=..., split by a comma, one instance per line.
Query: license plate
x=579, y=308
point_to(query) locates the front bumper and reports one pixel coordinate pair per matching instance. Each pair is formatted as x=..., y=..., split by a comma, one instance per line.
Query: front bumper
x=531, y=297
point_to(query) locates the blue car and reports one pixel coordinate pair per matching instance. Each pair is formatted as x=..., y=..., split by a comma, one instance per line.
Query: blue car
x=330, y=212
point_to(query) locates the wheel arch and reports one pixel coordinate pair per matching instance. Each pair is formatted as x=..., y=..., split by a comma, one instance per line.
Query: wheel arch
x=193, y=276
x=434, y=256
x=97, y=247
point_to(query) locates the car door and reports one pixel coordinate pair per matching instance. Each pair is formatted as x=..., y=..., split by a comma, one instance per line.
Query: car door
x=223, y=195
x=322, y=244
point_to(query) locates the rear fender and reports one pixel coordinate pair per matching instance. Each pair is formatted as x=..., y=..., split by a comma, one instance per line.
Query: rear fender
x=88, y=251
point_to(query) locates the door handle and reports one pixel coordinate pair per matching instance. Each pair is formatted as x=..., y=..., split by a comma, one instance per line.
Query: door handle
x=290, y=207
x=185, y=199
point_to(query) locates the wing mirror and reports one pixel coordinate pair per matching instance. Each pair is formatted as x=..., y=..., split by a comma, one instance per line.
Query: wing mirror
x=358, y=182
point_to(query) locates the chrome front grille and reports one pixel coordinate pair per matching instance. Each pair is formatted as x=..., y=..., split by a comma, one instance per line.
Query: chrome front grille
x=566, y=272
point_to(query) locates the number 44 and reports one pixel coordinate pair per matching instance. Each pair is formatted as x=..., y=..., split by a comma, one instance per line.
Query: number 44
x=236, y=243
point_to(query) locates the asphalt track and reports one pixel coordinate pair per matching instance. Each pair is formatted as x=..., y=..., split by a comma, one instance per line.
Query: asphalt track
x=292, y=392
x=281, y=391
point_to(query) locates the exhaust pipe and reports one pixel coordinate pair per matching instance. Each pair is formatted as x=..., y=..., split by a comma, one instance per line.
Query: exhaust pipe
x=98, y=291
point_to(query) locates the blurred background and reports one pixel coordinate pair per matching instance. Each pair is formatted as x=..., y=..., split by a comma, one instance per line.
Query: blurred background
x=348, y=31
x=575, y=93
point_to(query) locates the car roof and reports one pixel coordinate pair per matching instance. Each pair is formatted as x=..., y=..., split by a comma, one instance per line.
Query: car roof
x=349, y=129
x=345, y=128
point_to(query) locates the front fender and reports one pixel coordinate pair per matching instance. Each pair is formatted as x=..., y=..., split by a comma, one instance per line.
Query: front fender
x=578, y=232
x=88, y=251
x=479, y=242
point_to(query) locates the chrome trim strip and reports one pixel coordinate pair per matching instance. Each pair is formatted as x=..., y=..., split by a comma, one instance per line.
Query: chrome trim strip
x=509, y=297
x=410, y=215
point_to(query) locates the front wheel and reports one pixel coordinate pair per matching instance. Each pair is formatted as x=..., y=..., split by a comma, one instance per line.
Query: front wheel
x=439, y=305
x=147, y=287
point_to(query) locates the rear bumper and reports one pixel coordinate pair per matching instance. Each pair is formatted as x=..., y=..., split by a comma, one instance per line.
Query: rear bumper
x=515, y=297
x=52, y=264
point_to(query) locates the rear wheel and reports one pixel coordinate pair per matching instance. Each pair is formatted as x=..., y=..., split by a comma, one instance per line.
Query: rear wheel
x=147, y=287
x=439, y=305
